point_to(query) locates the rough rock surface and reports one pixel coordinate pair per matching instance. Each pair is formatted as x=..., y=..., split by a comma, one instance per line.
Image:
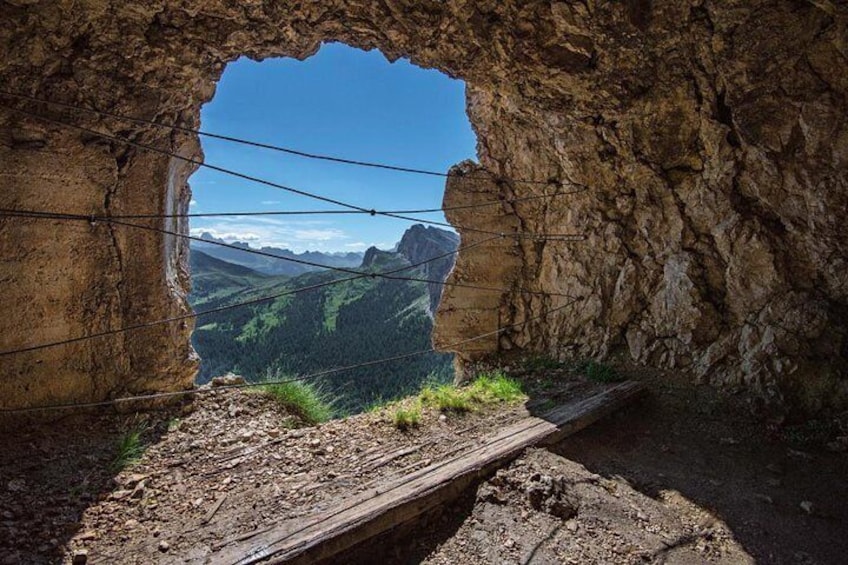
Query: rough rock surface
x=711, y=138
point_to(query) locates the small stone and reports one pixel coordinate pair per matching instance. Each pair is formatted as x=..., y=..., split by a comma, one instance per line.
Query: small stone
x=80, y=557
x=16, y=485
x=807, y=506
x=802, y=455
x=273, y=432
x=764, y=498
x=509, y=543
x=87, y=535
x=489, y=493
x=443, y=418
x=133, y=479
x=839, y=445
x=571, y=525
x=315, y=442
x=138, y=491
x=164, y=546
x=228, y=380
x=131, y=523
x=120, y=494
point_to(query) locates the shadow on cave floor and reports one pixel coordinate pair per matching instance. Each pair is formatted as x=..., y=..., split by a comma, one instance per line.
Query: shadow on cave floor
x=710, y=450
x=411, y=542
x=51, y=473
x=685, y=475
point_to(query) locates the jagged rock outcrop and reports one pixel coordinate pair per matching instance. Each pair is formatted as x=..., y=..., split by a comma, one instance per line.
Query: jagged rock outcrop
x=710, y=137
x=421, y=244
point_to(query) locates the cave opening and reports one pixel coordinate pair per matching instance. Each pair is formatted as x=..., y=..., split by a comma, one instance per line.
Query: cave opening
x=342, y=102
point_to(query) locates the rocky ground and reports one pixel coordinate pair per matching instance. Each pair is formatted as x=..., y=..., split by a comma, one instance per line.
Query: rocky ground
x=219, y=468
x=687, y=476
x=683, y=477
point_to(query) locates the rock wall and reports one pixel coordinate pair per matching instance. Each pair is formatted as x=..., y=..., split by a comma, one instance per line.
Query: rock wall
x=710, y=137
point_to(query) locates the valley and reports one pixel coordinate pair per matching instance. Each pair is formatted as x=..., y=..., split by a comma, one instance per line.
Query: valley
x=329, y=327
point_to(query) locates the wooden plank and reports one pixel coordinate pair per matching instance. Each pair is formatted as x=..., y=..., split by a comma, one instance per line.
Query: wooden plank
x=377, y=510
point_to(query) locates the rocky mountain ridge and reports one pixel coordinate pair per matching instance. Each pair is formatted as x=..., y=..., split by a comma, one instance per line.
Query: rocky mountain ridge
x=270, y=266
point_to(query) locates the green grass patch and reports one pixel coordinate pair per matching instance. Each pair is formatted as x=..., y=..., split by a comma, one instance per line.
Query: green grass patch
x=447, y=398
x=129, y=447
x=375, y=405
x=406, y=417
x=173, y=425
x=601, y=373
x=496, y=387
x=304, y=400
x=488, y=388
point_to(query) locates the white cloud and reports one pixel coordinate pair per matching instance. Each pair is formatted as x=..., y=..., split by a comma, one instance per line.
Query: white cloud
x=270, y=202
x=228, y=236
x=270, y=232
x=360, y=245
x=192, y=202
x=319, y=235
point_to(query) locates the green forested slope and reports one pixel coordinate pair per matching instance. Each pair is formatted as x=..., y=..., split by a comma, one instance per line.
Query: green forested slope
x=331, y=327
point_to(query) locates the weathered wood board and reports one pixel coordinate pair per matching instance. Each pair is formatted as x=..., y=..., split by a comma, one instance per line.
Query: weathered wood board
x=375, y=511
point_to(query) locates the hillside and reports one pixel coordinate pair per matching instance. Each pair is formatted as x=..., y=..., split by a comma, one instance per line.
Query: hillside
x=214, y=279
x=330, y=327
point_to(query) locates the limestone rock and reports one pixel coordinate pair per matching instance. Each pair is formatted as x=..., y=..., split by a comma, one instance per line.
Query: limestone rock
x=708, y=142
x=227, y=380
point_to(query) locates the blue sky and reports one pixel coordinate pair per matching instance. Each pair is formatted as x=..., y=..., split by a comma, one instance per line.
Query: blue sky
x=342, y=101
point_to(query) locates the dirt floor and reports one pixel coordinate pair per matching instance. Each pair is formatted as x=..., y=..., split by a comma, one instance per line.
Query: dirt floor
x=685, y=476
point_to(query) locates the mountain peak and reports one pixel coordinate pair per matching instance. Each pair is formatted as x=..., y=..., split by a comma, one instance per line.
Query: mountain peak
x=420, y=243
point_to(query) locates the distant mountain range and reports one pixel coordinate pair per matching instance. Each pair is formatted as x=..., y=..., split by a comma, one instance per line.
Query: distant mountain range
x=269, y=265
x=333, y=326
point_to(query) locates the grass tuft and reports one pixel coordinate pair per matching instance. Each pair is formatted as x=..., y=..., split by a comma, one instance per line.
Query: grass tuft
x=405, y=418
x=447, y=398
x=496, y=387
x=304, y=400
x=129, y=448
x=487, y=388
x=376, y=405
x=601, y=373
